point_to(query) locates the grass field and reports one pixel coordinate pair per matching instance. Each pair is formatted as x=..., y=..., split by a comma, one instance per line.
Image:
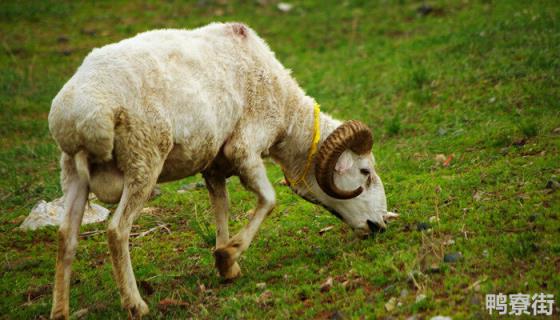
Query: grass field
x=478, y=80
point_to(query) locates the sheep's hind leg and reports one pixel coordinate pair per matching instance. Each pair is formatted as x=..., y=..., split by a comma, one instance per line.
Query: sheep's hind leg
x=253, y=174
x=75, y=197
x=137, y=187
x=219, y=198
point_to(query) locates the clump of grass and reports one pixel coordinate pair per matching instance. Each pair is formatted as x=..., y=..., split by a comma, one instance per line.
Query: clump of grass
x=422, y=96
x=422, y=305
x=418, y=77
x=202, y=228
x=529, y=129
x=502, y=139
x=521, y=245
x=393, y=127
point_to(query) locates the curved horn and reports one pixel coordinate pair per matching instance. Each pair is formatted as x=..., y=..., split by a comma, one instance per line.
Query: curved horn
x=353, y=135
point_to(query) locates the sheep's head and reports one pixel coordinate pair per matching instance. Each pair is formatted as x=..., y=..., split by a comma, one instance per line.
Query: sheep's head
x=346, y=182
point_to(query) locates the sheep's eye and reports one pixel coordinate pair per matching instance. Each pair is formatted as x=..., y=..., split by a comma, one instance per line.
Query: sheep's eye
x=365, y=172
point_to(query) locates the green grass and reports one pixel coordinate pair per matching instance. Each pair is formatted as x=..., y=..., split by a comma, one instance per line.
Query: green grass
x=477, y=79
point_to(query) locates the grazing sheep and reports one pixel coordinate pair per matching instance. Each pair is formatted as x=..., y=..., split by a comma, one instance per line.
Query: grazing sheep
x=168, y=104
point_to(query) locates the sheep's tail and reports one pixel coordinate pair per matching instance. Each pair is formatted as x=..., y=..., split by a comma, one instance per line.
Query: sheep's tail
x=82, y=167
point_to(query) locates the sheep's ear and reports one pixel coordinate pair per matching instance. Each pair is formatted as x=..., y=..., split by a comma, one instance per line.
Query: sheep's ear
x=344, y=163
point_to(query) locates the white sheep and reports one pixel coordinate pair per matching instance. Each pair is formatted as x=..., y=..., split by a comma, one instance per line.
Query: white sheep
x=168, y=104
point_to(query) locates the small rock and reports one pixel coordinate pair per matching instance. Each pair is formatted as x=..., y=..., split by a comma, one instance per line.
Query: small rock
x=150, y=210
x=79, y=314
x=476, y=287
x=441, y=318
x=412, y=318
x=89, y=31
x=389, y=290
x=201, y=288
x=552, y=184
x=327, y=285
x=422, y=226
x=52, y=213
x=424, y=10
x=434, y=268
x=338, y=315
x=556, y=130
x=452, y=257
x=285, y=7
x=264, y=297
x=440, y=158
x=261, y=285
x=477, y=196
x=390, y=305
x=485, y=253
x=404, y=293
x=520, y=142
x=493, y=99
x=193, y=186
x=62, y=39
x=420, y=297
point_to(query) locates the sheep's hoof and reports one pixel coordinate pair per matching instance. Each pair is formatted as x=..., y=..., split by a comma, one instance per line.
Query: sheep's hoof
x=226, y=265
x=59, y=314
x=137, y=311
x=233, y=273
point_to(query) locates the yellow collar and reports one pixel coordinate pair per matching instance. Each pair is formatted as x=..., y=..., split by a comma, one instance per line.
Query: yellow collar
x=312, y=149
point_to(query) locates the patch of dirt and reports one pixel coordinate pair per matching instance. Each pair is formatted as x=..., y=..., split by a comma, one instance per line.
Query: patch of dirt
x=36, y=292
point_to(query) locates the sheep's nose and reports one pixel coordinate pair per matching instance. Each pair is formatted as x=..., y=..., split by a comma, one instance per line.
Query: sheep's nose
x=375, y=227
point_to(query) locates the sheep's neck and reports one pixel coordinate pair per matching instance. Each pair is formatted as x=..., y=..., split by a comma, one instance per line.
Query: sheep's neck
x=293, y=150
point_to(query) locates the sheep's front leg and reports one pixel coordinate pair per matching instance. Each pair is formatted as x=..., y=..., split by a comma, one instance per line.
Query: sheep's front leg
x=219, y=198
x=75, y=197
x=253, y=175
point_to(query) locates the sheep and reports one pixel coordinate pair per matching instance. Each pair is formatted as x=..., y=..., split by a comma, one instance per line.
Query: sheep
x=168, y=104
